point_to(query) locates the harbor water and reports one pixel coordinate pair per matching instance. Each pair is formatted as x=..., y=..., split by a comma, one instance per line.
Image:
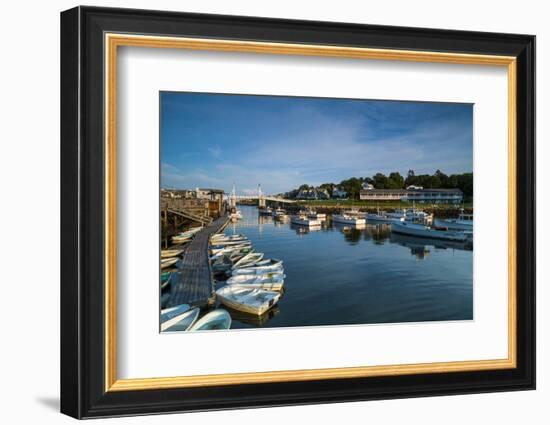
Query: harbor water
x=341, y=275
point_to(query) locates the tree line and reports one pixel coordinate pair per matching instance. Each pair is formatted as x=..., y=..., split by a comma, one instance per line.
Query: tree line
x=438, y=180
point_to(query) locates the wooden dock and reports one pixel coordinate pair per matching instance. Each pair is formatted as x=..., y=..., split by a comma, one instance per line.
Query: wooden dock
x=195, y=284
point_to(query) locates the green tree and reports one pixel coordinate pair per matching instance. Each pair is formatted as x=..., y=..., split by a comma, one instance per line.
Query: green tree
x=352, y=186
x=380, y=181
x=329, y=187
x=395, y=181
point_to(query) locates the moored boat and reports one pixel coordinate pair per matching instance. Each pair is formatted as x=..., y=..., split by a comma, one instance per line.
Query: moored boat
x=415, y=229
x=463, y=222
x=182, y=322
x=280, y=214
x=165, y=279
x=169, y=253
x=348, y=219
x=248, y=260
x=304, y=220
x=273, y=277
x=167, y=262
x=265, y=211
x=230, y=249
x=218, y=319
x=172, y=315
x=261, y=267
x=253, y=301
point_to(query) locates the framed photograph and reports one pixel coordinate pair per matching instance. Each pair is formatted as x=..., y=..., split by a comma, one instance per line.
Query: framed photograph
x=261, y=212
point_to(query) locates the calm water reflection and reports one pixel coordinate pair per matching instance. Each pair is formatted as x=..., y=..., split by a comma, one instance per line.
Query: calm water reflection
x=342, y=275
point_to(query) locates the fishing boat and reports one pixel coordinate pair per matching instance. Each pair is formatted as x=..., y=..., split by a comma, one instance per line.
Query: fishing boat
x=265, y=211
x=261, y=267
x=418, y=216
x=280, y=214
x=314, y=215
x=384, y=217
x=463, y=222
x=165, y=279
x=253, y=301
x=172, y=315
x=218, y=319
x=183, y=322
x=348, y=219
x=416, y=229
x=269, y=281
x=304, y=220
x=397, y=214
x=169, y=253
x=248, y=260
x=167, y=262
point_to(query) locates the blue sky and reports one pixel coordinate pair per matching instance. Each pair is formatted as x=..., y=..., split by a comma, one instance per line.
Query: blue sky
x=213, y=140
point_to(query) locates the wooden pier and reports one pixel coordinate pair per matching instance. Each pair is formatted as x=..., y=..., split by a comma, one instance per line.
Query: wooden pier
x=195, y=285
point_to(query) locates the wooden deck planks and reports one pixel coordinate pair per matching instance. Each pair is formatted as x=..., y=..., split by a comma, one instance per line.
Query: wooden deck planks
x=195, y=285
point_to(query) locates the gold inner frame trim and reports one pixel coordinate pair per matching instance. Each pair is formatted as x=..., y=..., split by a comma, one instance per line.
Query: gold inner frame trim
x=113, y=41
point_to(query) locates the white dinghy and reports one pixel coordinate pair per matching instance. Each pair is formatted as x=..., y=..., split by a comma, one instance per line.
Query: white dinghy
x=169, y=253
x=270, y=281
x=167, y=262
x=183, y=322
x=261, y=267
x=215, y=320
x=253, y=301
x=172, y=315
x=248, y=260
x=224, y=237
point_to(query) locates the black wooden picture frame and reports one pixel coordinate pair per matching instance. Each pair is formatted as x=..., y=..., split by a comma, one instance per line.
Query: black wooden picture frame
x=83, y=388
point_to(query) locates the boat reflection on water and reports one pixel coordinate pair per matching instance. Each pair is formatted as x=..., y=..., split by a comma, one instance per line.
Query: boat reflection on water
x=378, y=233
x=304, y=230
x=265, y=219
x=251, y=319
x=353, y=233
x=419, y=246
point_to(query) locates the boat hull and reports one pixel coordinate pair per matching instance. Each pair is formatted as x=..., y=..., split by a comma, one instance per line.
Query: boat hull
x=424, y=232
x=454, y=224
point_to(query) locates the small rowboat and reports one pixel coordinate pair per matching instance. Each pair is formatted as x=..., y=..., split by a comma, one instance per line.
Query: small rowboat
x=261, y=267
x=269, y=282
x=172, y=315
x=248, y=260
x=253, y=301
x=165, y=279
x=224, y=237
x=232, y=252
x=219, y=244
x=182, y=322
x=167, y=262
x=229, y=249
x=218, y=319
x=250, y=278
x=169, y=253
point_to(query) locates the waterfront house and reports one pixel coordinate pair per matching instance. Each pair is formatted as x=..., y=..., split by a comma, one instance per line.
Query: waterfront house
x=339, y=193
x=414, y=194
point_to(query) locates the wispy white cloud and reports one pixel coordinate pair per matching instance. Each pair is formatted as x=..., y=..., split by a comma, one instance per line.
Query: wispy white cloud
x=215, y=151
